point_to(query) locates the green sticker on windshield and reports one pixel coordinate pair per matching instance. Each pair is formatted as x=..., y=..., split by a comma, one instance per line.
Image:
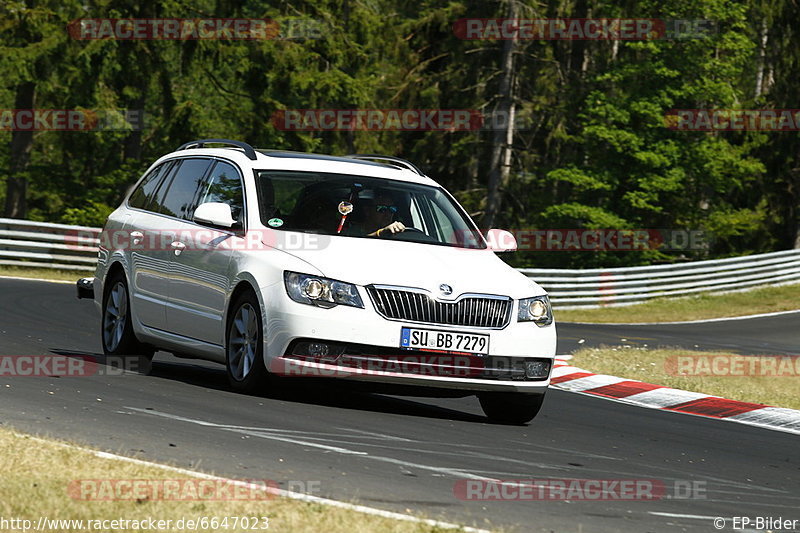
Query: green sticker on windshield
x=275, y=222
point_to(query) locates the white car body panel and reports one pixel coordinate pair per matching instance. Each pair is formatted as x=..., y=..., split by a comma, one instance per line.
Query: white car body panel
x=387, y=262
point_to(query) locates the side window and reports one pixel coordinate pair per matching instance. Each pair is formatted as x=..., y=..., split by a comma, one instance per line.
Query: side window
x=158, y=196
x=141, y=196
x=178, y=198
x=224, y=185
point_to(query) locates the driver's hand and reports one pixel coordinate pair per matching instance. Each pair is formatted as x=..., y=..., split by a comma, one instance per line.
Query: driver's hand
x=394, y=227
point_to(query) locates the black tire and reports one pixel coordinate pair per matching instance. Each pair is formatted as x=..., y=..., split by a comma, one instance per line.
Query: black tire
x=511, y=408
x=120, y=345
x=244, y=346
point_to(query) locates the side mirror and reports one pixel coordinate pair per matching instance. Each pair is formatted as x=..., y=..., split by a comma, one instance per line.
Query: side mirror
x=214, y=214
x=500, y=240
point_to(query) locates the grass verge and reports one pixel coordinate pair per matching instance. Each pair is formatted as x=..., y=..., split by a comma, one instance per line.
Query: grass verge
x=45, y=273
x=660, y=366
x=702, y=306
x=37, y=477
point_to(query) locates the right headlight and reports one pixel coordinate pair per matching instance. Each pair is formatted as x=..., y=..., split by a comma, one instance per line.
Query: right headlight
x=536, y=310
x=319, y=291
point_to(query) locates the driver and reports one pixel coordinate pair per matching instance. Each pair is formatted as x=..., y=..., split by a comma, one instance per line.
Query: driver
x=379, y=215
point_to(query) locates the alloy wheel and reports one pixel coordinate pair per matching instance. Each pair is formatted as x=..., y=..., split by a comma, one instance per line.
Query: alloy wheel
x=243, y=341
x=115, y=316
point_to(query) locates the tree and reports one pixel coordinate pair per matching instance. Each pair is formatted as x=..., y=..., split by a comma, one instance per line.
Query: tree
x=30, y=43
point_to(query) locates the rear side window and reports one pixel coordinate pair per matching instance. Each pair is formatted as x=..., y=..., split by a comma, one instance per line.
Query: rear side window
x=177, y=198
x=141, y=196
x=224, y=185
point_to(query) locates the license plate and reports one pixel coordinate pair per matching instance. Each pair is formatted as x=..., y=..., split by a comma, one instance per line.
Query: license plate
x=447, y=341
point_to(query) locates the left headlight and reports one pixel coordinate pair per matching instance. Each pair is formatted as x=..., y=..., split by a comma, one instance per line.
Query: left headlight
x=322, y=292
x=536, y=310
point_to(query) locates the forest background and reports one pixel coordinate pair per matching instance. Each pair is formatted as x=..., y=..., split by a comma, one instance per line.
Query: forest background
x=589, y=147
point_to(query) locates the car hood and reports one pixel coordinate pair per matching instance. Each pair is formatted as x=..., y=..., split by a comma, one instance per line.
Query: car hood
x=366, y=261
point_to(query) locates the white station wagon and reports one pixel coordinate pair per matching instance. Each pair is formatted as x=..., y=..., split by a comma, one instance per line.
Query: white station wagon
x=295, y=265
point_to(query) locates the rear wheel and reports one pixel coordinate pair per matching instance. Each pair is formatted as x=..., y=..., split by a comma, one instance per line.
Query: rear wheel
x=511, y=408
x=245, y=346
x=119, y=340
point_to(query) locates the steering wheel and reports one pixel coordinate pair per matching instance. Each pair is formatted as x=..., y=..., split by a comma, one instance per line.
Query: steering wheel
x=409, y=235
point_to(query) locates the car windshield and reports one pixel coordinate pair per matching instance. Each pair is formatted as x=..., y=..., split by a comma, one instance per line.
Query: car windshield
x=363, y=207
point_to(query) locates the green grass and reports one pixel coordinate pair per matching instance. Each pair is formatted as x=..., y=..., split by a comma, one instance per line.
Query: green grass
x=37, y=477
x=45, y=273
x=654, y=366
x=709, y=305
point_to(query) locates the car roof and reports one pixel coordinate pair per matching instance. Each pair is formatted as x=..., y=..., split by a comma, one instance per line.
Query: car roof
x=308, y=162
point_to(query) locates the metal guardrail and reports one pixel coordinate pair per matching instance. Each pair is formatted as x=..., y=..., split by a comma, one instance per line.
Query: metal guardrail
x=621, y=286
x=41, y=244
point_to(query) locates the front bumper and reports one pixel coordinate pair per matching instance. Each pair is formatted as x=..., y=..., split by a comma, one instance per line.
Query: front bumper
x=380, y=359
x=290, y=367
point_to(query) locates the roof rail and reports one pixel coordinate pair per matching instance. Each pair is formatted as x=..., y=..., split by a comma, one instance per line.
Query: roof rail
x=391, y=160
x=248, y=150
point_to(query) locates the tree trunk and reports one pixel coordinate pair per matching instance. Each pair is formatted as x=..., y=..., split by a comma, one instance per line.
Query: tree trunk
x=132, y=146
x=502, y=138
x=20, y=155
x=762, y=50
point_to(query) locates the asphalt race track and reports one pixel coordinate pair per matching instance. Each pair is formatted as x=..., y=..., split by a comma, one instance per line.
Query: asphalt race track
x=407, y=453
x=774, y=335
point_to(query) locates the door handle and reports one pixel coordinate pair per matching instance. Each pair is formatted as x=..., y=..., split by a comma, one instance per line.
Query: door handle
x=178, y=246
x=136, y=237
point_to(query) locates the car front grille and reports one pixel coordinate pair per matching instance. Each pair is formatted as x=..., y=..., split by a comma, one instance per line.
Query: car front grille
x=473, y=310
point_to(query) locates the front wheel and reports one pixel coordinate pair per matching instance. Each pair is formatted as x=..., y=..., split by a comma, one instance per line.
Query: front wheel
x=511, y=408
x=245, y=347
x=119, y=341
